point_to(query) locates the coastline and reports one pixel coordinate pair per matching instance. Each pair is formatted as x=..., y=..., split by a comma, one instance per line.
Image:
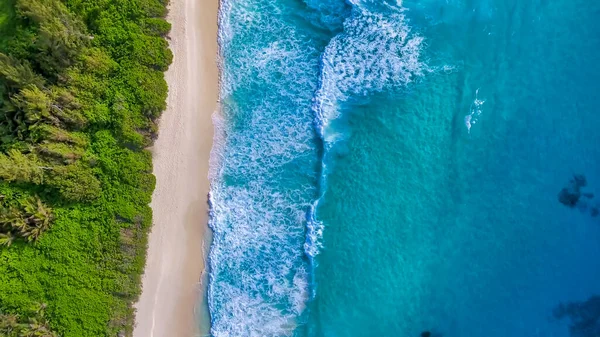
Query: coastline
x=173, y=298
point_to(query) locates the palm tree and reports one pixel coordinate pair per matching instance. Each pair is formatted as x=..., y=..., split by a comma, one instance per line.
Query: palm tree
x=38, y=214
x=32, y=233
x=7, y=215
x=6, y=239
x=38, y=325
x=8, y=322
x=12, y=220
x=34, y=326
x=37, y=329
x=30, y=222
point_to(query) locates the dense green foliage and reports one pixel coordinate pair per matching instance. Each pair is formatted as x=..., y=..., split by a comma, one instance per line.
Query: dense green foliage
x=6, y=17
x=81, y=87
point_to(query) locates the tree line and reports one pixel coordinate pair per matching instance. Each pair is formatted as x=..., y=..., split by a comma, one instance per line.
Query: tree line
x=81, y=89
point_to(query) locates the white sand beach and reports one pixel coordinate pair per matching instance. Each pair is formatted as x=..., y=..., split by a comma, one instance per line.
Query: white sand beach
x=174, y=282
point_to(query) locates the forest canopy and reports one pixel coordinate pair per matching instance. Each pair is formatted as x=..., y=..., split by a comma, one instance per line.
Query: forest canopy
x=81, y=89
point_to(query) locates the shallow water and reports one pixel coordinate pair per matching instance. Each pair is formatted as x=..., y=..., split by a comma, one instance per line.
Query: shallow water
x=385, y=168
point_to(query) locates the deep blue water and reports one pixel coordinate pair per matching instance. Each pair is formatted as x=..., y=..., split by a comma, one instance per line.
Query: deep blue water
x=385, y=168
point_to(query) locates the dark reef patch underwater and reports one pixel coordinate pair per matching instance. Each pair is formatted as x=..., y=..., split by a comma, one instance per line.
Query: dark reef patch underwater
x=572, y=196
x=388, y=168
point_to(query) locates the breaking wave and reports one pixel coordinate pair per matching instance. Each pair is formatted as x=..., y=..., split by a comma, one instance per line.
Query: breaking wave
x=280, y=91
x=375, y=51
x=261, y=175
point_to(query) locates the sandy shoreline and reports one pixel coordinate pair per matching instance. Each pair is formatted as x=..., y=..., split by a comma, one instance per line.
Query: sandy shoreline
x=174, y=281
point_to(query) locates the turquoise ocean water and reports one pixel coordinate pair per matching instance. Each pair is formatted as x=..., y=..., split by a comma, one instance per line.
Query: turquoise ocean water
x=382, y=168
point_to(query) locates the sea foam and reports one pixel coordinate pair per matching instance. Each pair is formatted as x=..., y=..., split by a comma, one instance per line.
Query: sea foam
x=276, y=88
x=374, y=51
x=262, y=172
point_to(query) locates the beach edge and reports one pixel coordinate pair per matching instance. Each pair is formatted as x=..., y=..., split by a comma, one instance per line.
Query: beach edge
x=173, y=301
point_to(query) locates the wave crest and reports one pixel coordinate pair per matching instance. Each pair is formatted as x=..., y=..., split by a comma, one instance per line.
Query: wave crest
x=375, y=51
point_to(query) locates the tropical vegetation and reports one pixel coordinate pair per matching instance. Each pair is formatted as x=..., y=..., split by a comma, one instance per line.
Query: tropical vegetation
x=81, y=89
x=35, y=326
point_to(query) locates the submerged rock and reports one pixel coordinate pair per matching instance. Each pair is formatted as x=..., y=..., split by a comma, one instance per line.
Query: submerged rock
x=570, y=194
x=584, y=317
